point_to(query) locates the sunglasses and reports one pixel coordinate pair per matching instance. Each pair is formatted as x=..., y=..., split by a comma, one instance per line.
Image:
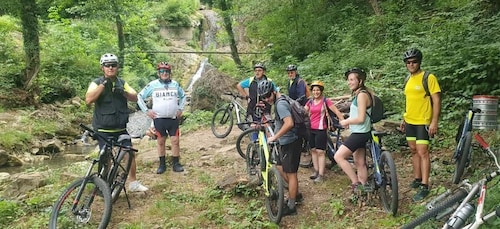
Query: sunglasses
x=266, y=96
x=163, y=71
x=110, y=65
x=412, y=62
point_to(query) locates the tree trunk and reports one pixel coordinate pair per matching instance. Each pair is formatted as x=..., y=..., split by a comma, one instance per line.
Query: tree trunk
x=119, y=33
x=224, y=6
x=31, y=42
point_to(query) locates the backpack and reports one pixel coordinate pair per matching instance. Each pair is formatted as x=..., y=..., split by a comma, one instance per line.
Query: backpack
x=308, y=90
x=377, y=108
x=425, y=83
x=300, y=116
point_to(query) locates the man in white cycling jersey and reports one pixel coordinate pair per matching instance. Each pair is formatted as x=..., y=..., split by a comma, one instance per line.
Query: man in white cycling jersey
x=166, y=112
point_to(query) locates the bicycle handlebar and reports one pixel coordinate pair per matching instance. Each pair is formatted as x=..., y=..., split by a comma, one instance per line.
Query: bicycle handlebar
x=481, y=141
x=95, y=134
x=234, y=95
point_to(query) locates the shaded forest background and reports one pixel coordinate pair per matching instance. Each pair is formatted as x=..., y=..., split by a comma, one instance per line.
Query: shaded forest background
x=459, y=39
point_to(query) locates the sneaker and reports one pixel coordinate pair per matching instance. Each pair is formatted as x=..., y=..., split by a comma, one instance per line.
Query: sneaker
x=421, y=194
x=314, y=175
x=318, y=179
x=161, y=169
x=415, y=184
x=136, y=186
x=299, y=198
x=289, y=211
x=365, y=188
x=177, y=167
x=354, y=187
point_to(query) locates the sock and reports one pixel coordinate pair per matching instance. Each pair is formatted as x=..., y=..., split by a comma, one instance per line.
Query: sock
x=291, y=203
x=162, y=161
x=175, y=160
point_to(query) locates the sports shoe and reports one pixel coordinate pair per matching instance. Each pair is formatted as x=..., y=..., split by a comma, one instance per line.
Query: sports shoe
x=318, y=179
x=354, y=187
x=136, y=186
x=314, y=175
x=421, y=194
x=177, y=167
x=289, y=211
x=364, y=188
x=415, y=184
x=299, y=198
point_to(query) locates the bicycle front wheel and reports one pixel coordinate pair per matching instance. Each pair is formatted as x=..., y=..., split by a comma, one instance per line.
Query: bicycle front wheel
x=246, y=139
x=389, y=188
x=456, y=198
x=87, y=206
x=222, y=122
x=330, y=150
x=463, y=156
x=119, y=173
x=276, y=198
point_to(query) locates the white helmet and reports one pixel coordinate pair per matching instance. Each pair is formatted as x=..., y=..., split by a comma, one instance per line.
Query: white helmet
x=108, y=57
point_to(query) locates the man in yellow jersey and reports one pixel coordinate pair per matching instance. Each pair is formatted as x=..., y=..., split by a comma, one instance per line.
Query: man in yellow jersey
x=110, y=95
x=420, y=119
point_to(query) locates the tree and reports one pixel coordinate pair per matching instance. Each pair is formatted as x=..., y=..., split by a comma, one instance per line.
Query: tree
x=225, y=6
x=31, y=41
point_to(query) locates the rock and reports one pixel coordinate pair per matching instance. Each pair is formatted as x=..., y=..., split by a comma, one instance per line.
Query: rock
x=48, y=147
x=23, y=183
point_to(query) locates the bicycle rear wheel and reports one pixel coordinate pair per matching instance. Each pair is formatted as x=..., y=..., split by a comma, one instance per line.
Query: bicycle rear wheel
x=222, y=122
x=306, y=157
x=276, y=198
x=253, y=159
x=330, y=151
x=389, y=188
x=456, y=198
x=462, y=158
x=119, y=173
x=91, y=209
x=246, y=139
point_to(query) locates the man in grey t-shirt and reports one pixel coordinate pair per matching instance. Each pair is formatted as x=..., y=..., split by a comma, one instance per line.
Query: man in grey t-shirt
x=289, y=158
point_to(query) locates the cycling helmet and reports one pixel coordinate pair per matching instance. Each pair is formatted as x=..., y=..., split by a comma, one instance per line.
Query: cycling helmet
x=361, y=73
x=265, y=88
x=291, y=67
x=164, y=65
x=108, y=58
x=319, y=84
x=259, y=65
x=413, y=53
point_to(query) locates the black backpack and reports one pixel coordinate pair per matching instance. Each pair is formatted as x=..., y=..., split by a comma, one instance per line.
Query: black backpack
x=300, y=116
x=378, y=110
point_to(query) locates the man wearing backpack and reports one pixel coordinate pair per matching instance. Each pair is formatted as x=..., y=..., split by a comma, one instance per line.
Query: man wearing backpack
x=420, y=119
x=252, y=98
x=289, y=158
x=297, y=87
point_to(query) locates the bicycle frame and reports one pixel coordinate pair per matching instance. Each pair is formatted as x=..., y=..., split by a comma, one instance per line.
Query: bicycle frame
x=266, y=162
x=376, y=152
x=467, y=126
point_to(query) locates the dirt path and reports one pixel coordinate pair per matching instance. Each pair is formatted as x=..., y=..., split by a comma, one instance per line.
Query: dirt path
x=218, y=159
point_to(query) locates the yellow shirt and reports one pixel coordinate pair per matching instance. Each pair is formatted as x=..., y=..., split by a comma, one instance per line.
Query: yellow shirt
x=418, y=106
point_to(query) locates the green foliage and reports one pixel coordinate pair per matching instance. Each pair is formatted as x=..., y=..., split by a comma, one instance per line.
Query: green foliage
x=15, y=139
x=176, y=13
x=9, y=210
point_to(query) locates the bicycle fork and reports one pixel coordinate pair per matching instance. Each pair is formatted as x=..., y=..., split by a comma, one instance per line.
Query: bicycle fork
x=265, y=165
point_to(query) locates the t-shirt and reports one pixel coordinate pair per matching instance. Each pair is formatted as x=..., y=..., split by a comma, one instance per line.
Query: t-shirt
x=168, y=98
x=418, y=106
x=283, y=110
x=317, y=114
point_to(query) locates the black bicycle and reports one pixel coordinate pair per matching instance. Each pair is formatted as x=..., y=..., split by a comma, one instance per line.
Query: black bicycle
x=87, y=202
x=462, y=154
x=334, y=141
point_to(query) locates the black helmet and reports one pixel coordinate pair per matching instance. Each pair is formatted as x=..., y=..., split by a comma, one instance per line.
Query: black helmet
x=291, y=67
x=413, y=53
x=259, y=65
x=361, y=73
x=265, y=88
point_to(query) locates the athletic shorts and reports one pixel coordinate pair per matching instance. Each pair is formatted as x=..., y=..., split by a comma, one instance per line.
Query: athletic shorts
x=289, y=157
x=357, y=141
x=115, y=136
x=318, y=139
x=167, y=126
x=418, y=133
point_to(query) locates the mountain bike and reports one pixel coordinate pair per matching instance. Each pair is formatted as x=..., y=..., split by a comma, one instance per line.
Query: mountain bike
x=264, y=154
x=462, y=154
x=249, y=137
x=458, y=202
x=382, y=176
x=223, y=118
x=87, y=201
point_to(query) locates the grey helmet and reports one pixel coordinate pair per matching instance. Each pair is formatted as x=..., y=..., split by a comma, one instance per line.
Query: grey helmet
x=291, y=67
x=361, y=73
x=265, y=88
x=413, y=53
x=259, y=65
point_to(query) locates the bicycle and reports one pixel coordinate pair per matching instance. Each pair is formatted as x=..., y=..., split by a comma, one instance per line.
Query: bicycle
x=457, y=202
x=249, y=136
x=223, y=118
x=462, y=154
x=265, y=154
x=382, y=175
x=92, y=195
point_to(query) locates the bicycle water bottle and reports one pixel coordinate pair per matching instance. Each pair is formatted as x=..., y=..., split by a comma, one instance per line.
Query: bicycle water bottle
x=459, y=220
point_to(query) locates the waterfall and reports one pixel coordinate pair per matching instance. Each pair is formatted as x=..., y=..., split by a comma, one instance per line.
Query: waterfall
x=197, y=75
